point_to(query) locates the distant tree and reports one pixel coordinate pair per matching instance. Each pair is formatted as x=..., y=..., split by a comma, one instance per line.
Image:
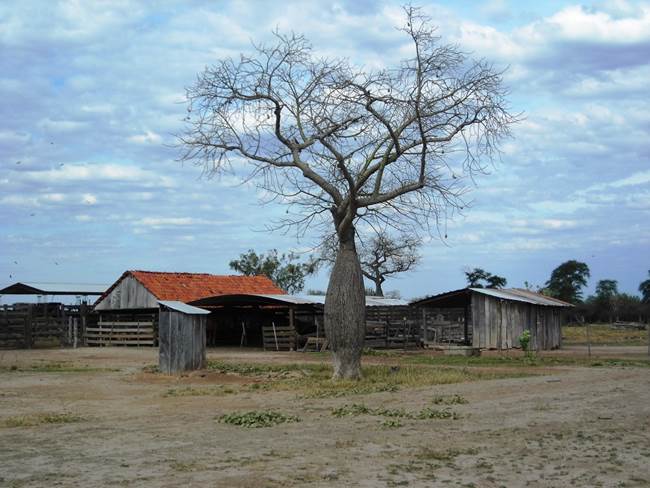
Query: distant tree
x=475, y=277
x=606, y=297
x=567, y=281
x=495, y=281
x=479, y=278
x=321, y=293
x=283, y=269
x=644, y=288
x=381, y=256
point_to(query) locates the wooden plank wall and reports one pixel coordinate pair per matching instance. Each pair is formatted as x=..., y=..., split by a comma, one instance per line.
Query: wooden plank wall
x=30, y=324
x=279, y=338
x=128, y=294
x=443, y=325
x=498, y=323
x=125, y=328
x=182, y=342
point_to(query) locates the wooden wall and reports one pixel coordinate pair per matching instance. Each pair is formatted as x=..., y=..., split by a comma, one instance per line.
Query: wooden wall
x=27, y=325
x=128, y=294
x=498, y=323
x=182, y=342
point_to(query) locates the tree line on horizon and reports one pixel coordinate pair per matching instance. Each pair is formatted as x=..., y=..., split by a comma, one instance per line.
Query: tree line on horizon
x=384, y=256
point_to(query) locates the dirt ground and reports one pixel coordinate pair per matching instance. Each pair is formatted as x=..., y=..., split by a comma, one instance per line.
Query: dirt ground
x=570, y=426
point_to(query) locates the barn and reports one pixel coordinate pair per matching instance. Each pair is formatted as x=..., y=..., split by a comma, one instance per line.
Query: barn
x=129, y=309
x=490, y=318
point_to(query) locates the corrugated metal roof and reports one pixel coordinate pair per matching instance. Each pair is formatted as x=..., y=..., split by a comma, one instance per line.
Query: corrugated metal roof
x=292, y=299
x=519, y=295
x=183, y=307
x=45, y=288
x=371, y=301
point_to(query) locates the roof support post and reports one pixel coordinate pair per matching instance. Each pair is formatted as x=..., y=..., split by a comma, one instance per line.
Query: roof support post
x=466, y=323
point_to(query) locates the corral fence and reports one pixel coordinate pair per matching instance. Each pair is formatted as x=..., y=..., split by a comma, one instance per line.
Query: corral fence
x=23, y=326
x=124, y=329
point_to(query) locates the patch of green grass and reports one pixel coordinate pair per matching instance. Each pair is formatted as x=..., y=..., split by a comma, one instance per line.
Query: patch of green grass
x=351, y=410
x=427, y=413
x=218, y=390
x=186, y=467
x=449, y=400
x=432, y=413
x=54, y=367
x=34, y=420
x=261, y=369
x=520, y=361
x=310, y=380
x=257, y=419
x=391, y=424
x=604, y=335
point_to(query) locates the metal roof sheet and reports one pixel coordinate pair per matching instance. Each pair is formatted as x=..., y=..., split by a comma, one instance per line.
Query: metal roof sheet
x=183, y=307
x=45, y=288
x=294, y=299
x=371, y=301
x=519, y=295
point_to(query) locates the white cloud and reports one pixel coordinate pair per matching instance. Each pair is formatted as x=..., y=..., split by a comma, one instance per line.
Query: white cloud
x=58, y=125
x=97, y=172
x=11, y=137
x=640, y=178
x=89, y=199
x=575, y=23
x=148, y=137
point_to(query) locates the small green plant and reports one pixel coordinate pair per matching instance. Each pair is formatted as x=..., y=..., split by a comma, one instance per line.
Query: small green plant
x=449, y=400
x=391, y=423
x=257, y=419
x=524, y=341
x=432, y=413
x=351, y=410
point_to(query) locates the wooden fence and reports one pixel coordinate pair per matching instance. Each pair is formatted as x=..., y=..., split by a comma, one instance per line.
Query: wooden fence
x=23, y=326
x=135, y=328
x=279, y=338
x=121, y=334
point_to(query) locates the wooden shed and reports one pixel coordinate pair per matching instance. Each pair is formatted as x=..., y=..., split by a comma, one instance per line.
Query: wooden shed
x=134, y=298
x=181, y=337
x=490, y=318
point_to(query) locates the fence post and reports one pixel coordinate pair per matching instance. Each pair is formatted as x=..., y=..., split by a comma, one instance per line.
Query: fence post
x=28, y=327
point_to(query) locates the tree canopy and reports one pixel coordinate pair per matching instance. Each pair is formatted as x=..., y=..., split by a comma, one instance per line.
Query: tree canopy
x=644, y=288
x=567, y=280
x=479, y=278
x=283, y=269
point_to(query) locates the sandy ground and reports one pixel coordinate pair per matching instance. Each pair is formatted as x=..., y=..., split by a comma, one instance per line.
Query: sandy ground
x=585, y=427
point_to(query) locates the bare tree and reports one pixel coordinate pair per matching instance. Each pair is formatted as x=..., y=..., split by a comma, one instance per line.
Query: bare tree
x=338, y=145
x=380, y=256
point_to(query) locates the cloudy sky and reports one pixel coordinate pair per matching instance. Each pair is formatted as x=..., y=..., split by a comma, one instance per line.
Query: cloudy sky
x=93, y=93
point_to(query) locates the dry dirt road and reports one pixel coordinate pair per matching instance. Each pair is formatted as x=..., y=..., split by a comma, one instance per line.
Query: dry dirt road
x=572, y=426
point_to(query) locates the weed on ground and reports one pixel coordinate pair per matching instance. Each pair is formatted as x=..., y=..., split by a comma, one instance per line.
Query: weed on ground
x=34, y=420
x=257, y=419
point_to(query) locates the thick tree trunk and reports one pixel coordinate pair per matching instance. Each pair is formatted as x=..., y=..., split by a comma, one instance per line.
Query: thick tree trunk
x=378, y=290
x=345, y=311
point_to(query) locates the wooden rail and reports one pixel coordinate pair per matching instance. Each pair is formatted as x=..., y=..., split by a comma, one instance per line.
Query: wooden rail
x=121, y=334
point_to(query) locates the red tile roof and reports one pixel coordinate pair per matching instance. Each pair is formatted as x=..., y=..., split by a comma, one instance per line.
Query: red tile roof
x=186, y=287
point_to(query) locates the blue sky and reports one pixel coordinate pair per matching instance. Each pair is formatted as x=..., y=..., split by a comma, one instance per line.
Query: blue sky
x=93, y=93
